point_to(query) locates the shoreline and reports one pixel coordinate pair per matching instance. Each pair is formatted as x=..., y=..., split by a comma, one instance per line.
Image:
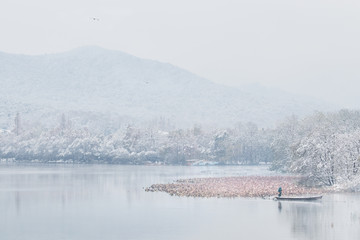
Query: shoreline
x=232, y=187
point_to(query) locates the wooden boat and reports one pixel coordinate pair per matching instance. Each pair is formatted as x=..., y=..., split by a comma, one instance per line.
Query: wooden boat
x=298, y=198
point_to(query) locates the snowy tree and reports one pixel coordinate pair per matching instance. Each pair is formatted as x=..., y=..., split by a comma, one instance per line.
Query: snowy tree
x=285, y=137
x=328, y=148
x=17, y=124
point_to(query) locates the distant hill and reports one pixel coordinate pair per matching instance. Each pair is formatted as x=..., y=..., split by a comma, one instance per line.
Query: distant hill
x=112, y=83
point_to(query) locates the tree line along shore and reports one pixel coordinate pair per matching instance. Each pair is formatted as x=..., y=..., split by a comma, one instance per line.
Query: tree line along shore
x=323, y=147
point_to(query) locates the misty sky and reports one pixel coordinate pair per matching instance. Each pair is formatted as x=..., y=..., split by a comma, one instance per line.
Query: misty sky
x=306, y=46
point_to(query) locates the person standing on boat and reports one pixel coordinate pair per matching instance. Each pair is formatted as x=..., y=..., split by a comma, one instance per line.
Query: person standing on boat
x=279, y=191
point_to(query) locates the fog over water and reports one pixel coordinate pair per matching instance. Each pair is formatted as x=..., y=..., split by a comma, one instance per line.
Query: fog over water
x=114, y=81
x=107, y=201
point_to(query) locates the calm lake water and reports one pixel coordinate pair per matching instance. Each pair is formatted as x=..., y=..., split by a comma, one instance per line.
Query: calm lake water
x=86, y=202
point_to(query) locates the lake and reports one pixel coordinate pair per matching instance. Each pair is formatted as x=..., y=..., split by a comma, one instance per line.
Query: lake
x=86, y=202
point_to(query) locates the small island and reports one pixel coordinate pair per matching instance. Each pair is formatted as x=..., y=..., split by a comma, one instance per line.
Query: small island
x=240, y=186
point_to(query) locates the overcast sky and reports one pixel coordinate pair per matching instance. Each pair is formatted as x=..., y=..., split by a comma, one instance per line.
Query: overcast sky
x=303, y=46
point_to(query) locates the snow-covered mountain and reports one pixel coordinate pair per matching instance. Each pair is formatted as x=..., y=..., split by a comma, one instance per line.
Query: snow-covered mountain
x=105, y=82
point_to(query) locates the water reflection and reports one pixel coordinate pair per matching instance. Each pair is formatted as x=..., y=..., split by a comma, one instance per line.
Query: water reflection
x=335, y=217
x=84, y=202
x=306, y=219
x=279, y=206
